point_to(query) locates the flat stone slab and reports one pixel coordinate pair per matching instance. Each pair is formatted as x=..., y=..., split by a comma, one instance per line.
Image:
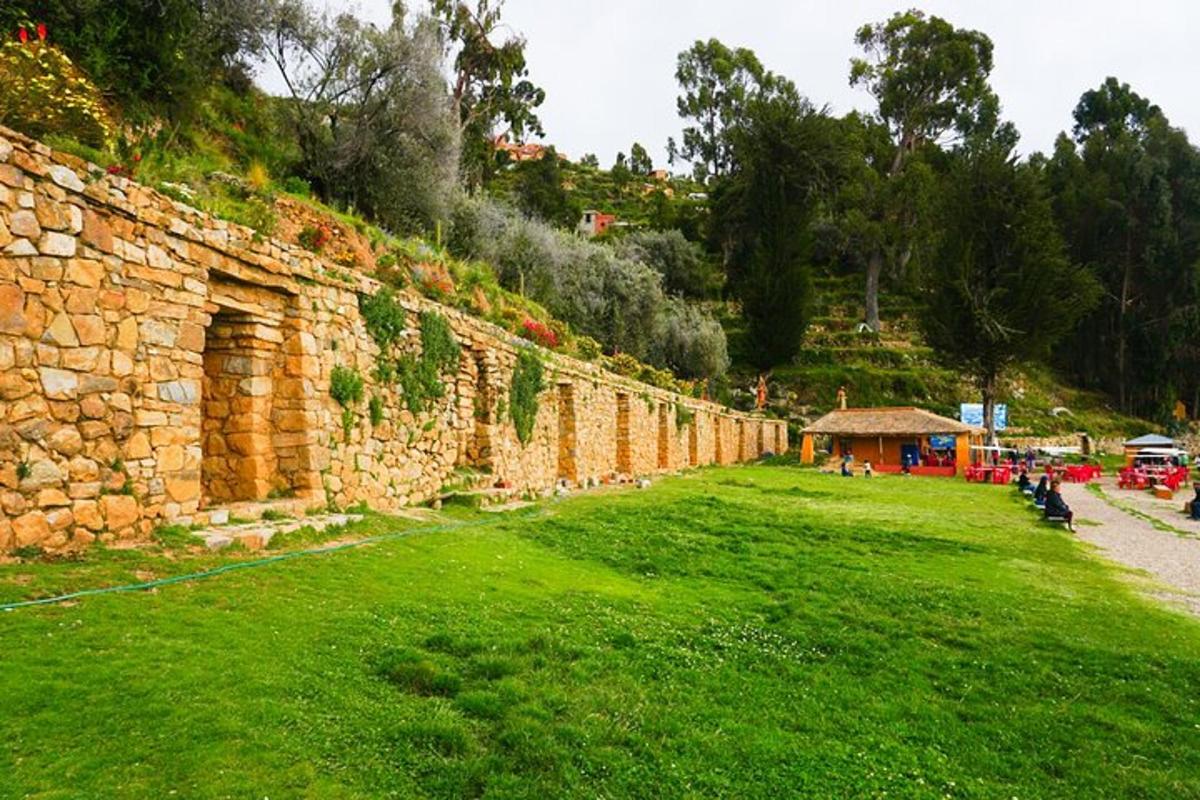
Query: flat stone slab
x=258, y=534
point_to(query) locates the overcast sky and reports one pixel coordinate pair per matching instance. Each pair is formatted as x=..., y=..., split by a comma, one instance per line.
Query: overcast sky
x=608, y=67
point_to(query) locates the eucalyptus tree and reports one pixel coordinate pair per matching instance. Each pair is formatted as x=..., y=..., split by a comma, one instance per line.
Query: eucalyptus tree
x=490, y=88
x=716, y=81
x=930, y=81
x=1127, y=195
x=1000, y=288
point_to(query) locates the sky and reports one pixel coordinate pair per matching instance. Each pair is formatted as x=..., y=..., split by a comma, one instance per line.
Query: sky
x=608, y=67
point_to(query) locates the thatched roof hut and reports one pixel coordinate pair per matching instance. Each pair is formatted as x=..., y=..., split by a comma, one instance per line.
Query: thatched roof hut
x=891, y=436
x=888, y=421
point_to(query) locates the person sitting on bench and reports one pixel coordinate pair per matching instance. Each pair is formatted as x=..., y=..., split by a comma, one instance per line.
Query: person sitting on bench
x=1039, y=494
x=1196, y=502
x=846, y=471
x=1057, y=508
x=1023, y=484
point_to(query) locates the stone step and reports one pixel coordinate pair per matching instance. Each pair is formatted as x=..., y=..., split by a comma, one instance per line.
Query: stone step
x=257, y=534
x=254, y=510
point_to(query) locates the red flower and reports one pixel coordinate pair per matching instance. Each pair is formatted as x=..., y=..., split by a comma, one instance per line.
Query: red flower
x=41, y=29
x=540, y=333
x=137, y=156
x=23, y=35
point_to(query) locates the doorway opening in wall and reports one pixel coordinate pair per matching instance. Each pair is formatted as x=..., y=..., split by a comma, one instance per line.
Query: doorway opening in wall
x=567, y=467
x=238, y=454
x=624, y=454
x=693, y=444
x=664, y=443
x=479, y=454
x=778, y=439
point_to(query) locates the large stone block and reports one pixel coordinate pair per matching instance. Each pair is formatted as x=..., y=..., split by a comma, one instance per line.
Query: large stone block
x=87, y=514
x=97, y=232
x=30, y=529
x=66, y=440
x=89, y=328
x=81, y=359
x=248, y=443
x=119, y=511
x=53, y=243
x=59, y=384
x=12, y=309
x=65, y=177
x=182, y=392
x=181, y=489
x=61, y=332
x=158, y=332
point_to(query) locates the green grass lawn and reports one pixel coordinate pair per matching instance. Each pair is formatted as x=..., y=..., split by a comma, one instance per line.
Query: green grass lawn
x=740, y=632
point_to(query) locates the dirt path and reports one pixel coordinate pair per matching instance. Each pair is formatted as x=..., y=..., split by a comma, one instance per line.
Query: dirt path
x=1171, y=560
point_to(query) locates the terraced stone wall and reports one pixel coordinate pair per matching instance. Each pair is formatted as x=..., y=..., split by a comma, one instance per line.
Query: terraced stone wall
x=156, y=363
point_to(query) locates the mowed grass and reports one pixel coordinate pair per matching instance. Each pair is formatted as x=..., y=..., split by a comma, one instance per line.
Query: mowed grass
x=739, y=632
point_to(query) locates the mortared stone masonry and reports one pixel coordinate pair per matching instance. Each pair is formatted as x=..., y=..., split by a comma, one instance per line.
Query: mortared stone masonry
x=156, y=363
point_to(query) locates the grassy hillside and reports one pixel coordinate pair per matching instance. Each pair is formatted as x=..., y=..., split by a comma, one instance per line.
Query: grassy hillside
x=734, y=632
x=231, y=161
x=896, y=368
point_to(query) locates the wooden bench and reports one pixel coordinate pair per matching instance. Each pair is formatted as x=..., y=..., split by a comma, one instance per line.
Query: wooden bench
x=1055, y=520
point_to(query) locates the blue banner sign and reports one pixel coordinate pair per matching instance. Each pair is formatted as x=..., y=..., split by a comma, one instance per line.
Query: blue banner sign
x=972, y=414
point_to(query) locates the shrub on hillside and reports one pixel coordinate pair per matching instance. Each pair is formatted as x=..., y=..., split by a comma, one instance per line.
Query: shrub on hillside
x=689, y=341
x=151, y=57
x=617, y=301
x=684, y=269
x=611, y=299
x=42, y=92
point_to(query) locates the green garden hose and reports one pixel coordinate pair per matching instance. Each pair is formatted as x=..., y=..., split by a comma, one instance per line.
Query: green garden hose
x=259, y=562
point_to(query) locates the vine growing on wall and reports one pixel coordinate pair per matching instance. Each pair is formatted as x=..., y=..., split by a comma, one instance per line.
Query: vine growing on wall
x=527, y=384
x=346, y=387
x=683, y=415
x=419, y=377
x=384, y=317
x=438, y=346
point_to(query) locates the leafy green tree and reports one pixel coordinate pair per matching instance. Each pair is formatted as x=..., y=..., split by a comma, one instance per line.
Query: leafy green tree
x=541, y=193
x=639, y=160
x=1127, y=194
x=929, y=79
x=590, y=160
x=716, y=82
x=785, y=158
x=1000, y=288
x=490, y=88
x=620, y=172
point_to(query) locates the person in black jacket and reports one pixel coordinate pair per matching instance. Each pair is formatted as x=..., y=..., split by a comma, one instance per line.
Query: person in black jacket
x=1196, y=502
x=1023, y=484
x=1057, y=507
x=1039, y=494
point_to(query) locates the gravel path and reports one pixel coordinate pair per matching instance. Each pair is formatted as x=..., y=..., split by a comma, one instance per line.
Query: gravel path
x=1168, y=511
x=1173, y=561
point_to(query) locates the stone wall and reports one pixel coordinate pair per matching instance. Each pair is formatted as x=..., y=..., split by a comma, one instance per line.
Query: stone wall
x=156, y=362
